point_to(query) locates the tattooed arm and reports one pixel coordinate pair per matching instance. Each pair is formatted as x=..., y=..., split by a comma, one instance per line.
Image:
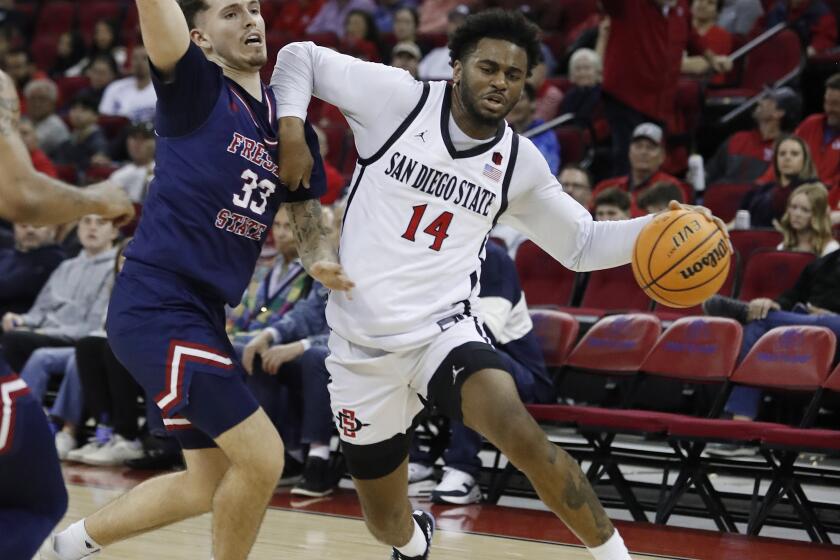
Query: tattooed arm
x=27, y=196
x=315, y=247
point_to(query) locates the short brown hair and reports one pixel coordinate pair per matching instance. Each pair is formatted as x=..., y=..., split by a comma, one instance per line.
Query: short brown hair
x=191, y=8
x=833, y=82
x=660, y=193
x=614, y=196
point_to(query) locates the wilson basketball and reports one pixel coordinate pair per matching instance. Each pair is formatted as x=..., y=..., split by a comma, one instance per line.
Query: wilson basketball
x=681, y=258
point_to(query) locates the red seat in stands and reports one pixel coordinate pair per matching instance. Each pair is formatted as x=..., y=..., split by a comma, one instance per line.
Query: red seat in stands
x=544, y=280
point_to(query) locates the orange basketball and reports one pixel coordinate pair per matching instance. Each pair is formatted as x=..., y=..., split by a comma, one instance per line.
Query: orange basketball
x=681, y=258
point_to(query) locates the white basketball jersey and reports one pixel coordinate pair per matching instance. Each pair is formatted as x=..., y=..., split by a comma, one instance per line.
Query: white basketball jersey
x=417, y=220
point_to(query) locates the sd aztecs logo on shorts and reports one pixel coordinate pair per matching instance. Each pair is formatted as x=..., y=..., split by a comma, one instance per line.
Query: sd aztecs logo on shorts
x=348, y=423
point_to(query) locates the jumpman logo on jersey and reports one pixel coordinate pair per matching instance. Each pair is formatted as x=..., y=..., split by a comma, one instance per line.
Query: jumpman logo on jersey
x=421, y=135
x=455, y=372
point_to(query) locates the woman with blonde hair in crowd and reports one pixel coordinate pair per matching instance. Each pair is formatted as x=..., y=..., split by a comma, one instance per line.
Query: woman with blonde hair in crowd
x=806, y=224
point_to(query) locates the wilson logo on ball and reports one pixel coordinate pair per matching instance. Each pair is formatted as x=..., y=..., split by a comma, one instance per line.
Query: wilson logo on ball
x=712, y=258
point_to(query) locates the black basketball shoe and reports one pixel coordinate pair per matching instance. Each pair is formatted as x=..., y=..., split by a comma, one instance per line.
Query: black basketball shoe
x=427, y=524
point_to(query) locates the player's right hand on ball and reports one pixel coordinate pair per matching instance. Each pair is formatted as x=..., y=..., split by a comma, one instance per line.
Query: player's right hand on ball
x=332, y=276
x=113, y=202
x=295, y=160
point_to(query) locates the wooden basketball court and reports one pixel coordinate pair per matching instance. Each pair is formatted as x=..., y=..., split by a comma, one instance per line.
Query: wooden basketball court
x=331, y=527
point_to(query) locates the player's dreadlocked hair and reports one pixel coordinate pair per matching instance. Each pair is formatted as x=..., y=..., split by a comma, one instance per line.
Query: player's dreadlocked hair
x=191, y=8
x=509, y=26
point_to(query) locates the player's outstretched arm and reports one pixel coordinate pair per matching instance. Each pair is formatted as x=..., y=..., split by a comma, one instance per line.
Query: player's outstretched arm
x=30, y=197
x=166, y=35
x=315, y=248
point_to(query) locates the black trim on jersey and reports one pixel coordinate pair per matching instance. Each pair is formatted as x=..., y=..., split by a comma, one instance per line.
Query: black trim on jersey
x=473, y=280
x=352, y=194
x=514, y=150
x=467, y=308
x=401, y=130
x=481, y=333
x=445, y=112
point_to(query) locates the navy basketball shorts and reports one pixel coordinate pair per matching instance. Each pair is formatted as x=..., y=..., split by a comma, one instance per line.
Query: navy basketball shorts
x=33, y=498
x=171, y=338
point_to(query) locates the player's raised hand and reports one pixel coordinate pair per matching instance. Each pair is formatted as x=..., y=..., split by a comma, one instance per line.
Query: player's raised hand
x=295, y=160
x=113, y=202
x=332, y=276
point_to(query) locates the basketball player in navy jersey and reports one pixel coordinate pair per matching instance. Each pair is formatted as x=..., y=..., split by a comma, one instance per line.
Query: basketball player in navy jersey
x=209, y=208
x=437, y=169
x=32, y=494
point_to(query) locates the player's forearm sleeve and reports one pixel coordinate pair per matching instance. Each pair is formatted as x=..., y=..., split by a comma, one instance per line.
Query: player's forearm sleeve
x=566, y=230
x=374, y=98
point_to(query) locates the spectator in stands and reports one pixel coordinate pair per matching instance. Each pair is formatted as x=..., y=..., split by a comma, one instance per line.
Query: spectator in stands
x=577, y=181
x=646, y=154
x=437, y=64
x=286, y=284
x=612, y=204
x=333, y=15
x=642, y=66
x=739, y=16
x=25, y=268
x=136, y=175
x=40, y=161
x=19, y=66
x=657, y=198
x=584, y=97
x=806, y=225
x=335, y=180
x=101, y=72
x=746, y=155
x=106, y=41
x=813, y=300
x=507, y=322
x=406, y=56
x=41, y=101
x=69, y=53
x=72, y=302
x=822, y=134
x=435, y=14
x=133, y=97
x=87, y=139
x=704, y=15
x=386, y=13
x=406, y=22
x=549, y=96
x=812, y=20
x=361, y=38
x=295, y=16
x=522, y=119
x=792, y=166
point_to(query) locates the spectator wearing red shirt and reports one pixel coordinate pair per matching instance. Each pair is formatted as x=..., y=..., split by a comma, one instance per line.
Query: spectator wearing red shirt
x=812, y=20
x=642, y=66
x=335, y=180
x=646, y=155
x=822, y=134
x=746, y=155
x=714, y=38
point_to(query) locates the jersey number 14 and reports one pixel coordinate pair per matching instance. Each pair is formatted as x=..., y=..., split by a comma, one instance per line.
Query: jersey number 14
x=436, y=229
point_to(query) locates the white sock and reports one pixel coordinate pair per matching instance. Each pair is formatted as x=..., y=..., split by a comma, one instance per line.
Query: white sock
x=417, y=545
x=74, y=543
x=613, y=549
x=319, y=450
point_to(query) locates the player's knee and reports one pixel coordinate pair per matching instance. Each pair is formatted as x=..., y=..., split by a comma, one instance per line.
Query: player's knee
x=266, y=469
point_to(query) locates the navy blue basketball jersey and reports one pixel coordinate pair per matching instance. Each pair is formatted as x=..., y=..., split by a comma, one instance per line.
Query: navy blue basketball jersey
x=215, y=191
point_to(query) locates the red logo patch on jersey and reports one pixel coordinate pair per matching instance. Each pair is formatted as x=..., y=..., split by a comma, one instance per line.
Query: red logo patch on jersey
x=348, y=423
x=497, y=158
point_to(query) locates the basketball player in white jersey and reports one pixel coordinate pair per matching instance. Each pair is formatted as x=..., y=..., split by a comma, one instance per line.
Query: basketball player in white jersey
x=438, y=167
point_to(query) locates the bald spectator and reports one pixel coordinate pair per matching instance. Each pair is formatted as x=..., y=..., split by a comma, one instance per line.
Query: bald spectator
x=584, y=97
x=41, y=100
x=522, y=119
x=822, y=134
x=133, y=97
x=812, y=20
x=333, y=14
x=646, y=155
x=642, y=65
x=611, y=205
x=577, y=181
x=437, y=65
x=746, y=155
x=406, y=55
